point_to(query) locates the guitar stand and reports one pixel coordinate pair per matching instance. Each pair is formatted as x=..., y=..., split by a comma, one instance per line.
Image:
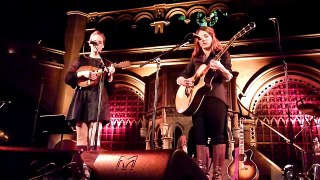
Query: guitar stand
x=314, y=169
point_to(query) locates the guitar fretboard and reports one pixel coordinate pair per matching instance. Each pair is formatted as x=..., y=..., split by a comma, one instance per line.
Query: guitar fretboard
x=241, y=140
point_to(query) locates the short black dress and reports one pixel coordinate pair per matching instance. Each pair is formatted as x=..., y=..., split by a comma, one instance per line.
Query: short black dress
x=84, y=104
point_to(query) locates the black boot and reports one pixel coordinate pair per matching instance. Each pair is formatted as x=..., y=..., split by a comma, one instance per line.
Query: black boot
x=202, y=158
x=218, y=155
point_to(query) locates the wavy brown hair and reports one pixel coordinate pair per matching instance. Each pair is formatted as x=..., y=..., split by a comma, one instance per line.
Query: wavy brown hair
x=215, y=45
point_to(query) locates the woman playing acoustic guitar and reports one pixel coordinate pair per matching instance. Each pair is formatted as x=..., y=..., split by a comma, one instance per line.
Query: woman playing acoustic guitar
x=210, y=118
x=84, y=76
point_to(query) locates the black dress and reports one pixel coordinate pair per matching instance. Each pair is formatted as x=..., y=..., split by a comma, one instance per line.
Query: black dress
x=84, y=103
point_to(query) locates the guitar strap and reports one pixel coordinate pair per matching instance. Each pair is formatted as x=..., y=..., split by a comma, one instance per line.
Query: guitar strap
x=236, y=164
x=211, y=56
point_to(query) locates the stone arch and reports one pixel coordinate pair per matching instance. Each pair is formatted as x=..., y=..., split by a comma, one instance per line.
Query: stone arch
x=196, y=9
x=266, y=79
x=124, y=17
x=218, y=6
x=175, y=11
x=143, y=15
x=126, y=109
x=135, y=84
x=106, y=19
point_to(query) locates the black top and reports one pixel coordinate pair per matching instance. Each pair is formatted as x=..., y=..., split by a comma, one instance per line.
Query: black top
x=219, y=88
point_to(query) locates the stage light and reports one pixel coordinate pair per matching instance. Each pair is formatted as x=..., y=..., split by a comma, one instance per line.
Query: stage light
x=288, y=172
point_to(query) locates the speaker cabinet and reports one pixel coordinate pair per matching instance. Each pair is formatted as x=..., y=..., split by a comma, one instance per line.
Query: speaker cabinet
x=148, y=164
x=37, y=163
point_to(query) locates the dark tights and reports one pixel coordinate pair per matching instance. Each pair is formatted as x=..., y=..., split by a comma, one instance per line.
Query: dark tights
x=211, y=121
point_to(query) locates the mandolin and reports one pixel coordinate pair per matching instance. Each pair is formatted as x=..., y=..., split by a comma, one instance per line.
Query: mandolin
x=85, y=82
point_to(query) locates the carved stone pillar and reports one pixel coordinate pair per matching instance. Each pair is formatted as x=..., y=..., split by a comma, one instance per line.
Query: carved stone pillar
x=143, y=132
x=148, y=147
x=74, y=36
x=164, y=129
x=167, y=143
x=164, y=133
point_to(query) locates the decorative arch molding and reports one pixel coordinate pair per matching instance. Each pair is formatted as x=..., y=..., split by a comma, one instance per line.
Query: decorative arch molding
x=131, y=82
x=160, y=14
x=173, y=127
x=143, y=15
x=218, y=6
x=307, y=75
x=196, y=9
x=175, y=11
x=124, y=17
x=106, y=19
x=118, y=123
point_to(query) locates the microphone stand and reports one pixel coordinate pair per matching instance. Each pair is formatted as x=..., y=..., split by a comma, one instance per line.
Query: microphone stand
x=3, y=103
x=158, y=61
x=285, y=67
x=37, y=109
x=101, y=84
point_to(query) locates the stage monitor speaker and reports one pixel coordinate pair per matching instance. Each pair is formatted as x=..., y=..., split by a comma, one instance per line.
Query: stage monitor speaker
x=38, y=163
x=147, y=164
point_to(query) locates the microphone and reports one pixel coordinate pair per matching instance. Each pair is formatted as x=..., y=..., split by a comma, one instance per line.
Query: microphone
x=8, y=102
x=93, y=43
x=273, y=19
x=196, y=36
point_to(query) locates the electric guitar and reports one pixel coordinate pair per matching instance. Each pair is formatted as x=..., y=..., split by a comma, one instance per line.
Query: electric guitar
x=188, y=99
x=242, y=167
x=85, y=82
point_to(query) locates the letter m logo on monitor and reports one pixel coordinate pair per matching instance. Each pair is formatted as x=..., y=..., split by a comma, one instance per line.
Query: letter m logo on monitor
x=127, y=163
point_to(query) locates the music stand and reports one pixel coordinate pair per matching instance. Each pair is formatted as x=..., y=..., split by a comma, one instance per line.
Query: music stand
x=54, y=124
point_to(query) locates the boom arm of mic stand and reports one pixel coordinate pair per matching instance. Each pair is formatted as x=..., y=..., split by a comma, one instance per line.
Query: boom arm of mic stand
x=285, y=138
x=158, y=57
x=158, y=61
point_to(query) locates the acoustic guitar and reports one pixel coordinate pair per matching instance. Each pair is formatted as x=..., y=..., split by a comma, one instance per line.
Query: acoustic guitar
x=189, y=99
x=85, y=82
x=242, y=167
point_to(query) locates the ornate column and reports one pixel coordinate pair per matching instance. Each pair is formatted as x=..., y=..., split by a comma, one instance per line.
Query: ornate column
x=74, y=36
x=164, y=132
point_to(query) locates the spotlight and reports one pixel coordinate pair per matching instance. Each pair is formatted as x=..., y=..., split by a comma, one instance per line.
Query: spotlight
x=288, y=172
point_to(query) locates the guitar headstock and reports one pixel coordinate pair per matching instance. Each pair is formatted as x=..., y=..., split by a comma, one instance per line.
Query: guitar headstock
x=123, y=64
x=246, y=29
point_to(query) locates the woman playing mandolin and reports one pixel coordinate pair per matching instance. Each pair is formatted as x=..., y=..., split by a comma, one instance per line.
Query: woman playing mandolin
x=85, y=76
x=210, y=118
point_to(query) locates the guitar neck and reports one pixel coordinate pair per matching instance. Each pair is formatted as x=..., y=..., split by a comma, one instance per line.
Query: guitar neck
x=225, y=48
x=239, y=34
x=241, y=138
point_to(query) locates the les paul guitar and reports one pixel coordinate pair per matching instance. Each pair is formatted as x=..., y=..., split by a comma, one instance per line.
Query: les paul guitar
x=242, y=167
x=85, y=82
x=188, y=99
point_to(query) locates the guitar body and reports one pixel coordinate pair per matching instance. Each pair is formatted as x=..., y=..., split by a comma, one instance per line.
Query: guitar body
x=247, y=169
x=189, y=99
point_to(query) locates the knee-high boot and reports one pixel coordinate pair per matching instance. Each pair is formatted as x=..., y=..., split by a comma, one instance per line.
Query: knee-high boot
x=218, y=155
x=202, y=158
